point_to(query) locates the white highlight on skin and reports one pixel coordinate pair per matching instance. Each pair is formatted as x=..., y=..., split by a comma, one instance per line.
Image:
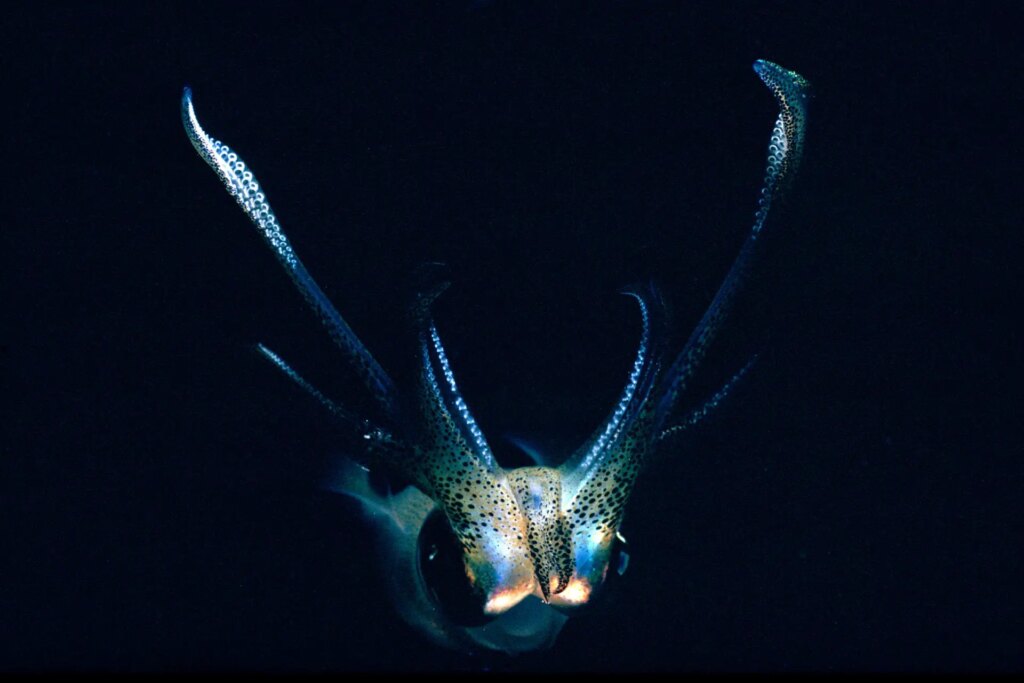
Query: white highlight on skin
x=478, y=436
x=240, y=183
x=614, y=423
x=778, y=148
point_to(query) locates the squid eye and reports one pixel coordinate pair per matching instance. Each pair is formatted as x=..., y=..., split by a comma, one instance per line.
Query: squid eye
x=443, y=572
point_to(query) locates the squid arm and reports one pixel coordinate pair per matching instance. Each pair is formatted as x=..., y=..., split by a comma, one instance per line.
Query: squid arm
x=601, y=477
x=376, y=437
x=448, y=450
x=696, y=415
x=242, y=185
x=785, y=148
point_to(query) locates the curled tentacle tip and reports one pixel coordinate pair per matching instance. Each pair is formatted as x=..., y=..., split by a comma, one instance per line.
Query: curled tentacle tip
x=436, y=290
x=641, y=288
x=763, y=66
x=426, y=297
x=631, y=289
x=771, y=73
x=630, y=292
x=430, y=277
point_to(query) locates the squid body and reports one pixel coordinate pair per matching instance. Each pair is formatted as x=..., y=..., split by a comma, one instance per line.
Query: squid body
x=475, y=555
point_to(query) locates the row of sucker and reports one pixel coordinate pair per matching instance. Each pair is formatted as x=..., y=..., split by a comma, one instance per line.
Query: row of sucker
x=243, y=186
x=785, y=148
x=611, y=426
x=454, y=400
x=452, y=464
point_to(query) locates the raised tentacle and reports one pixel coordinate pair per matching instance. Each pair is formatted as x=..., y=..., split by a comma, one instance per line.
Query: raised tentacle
x=242, y=185
x=376, y=439
x=448, y=393
x=601, y=481
x=641, y=377
x=453, y=464
x=702, y=411
x=785, y=148
x=334, y=408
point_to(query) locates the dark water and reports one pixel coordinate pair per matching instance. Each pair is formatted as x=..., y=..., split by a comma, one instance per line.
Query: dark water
x=854, y=506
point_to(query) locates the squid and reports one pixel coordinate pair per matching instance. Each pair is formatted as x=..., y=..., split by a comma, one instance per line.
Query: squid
x=477, y=556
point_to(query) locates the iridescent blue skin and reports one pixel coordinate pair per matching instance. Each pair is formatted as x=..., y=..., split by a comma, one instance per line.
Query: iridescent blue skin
x=536, y=542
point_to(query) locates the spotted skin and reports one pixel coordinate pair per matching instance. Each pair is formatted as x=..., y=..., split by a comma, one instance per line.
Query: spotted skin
x=539, y=492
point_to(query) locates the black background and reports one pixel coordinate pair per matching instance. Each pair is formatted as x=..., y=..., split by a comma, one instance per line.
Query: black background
x=855, y=504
